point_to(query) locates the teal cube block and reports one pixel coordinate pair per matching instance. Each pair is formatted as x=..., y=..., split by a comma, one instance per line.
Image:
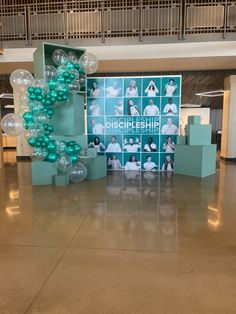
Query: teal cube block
x=98, y=168
x=61, y=179
x=93, y=152
x=194, y=120
x=181, y=140
x=195, y=160
x=80, y=139
x=43, y=172
x=198, y=134
x=69, y=120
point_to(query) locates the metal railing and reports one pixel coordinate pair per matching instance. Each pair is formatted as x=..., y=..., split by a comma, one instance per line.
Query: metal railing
x=103, y=19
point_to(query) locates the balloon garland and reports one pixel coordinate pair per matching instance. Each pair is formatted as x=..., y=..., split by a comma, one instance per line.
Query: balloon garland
x=39, y=98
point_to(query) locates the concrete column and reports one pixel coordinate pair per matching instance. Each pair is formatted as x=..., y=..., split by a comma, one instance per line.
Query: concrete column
x=228, y=142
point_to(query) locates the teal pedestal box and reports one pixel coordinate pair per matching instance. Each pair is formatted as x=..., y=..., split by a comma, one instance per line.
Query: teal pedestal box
x=195, y=160
x=43, y=172
x=98, y=168
x=93, y=152
x=61, y=179
x=69, y=120
x=181, y=140
x=194, y=120
x=198, y=134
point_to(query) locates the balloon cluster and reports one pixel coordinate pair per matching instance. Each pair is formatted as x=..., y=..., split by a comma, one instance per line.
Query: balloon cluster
x=39, y=98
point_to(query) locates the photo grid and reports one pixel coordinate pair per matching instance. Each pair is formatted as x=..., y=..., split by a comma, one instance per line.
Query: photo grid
x=113, y=102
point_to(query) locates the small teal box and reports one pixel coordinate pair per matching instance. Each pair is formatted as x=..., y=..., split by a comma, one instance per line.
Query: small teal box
x=194, y=120
x=98, y=168
x=43, y=172
x=198, y=134
x=195, y=160
x=61, y=179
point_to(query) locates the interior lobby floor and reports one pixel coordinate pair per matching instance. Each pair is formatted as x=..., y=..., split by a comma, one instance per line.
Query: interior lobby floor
x=136, y=243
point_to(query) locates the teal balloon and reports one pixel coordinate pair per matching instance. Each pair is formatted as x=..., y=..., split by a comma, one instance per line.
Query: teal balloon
x=59, y=98
x=71, y=143
x=66, y=74
x=32, y=141
x=77, y=149
x=64, y=97
x=28, y=124
x=51, y=147
x=68, y=80
x=52, y=157
x=39, y=97
x=30, y=89
x=38, y=144
x=32, y=96
x=50, y=112
x=52, y=84
x=74, y=158
x=69, y=66
x=46, y=139
x=38, y=91
x=70, y=150
x=50, y=128
x=60, y=79
x=28, y=116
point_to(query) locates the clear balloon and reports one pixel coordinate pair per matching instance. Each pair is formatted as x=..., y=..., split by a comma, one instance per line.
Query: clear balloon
x=40, y=86
x=61, y=69
x=41, y=117
x=64, y=163
x=38, y=154
x=21, y=79
x=22, y=110
x=72, y=57
x=59, y=57
x=88, y=63
x=61, y=147
x=74, y=86
x=82, y=79
x=12, y=124
x=78, y=172
x=85, y=157
x=50, y=72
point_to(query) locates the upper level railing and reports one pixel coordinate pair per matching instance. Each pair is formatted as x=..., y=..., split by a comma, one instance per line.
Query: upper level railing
x=67, y=20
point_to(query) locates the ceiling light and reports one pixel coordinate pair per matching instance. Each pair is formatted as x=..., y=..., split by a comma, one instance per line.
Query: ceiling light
x=214, y=93
x=9, y=96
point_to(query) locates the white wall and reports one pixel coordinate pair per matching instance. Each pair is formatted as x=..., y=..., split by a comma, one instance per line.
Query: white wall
x=185, y=112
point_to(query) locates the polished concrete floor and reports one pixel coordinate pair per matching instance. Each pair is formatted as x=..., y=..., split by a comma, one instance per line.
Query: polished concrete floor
x=129, y=243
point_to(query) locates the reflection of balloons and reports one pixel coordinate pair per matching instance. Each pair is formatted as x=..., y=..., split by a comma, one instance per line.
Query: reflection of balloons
x=85, y=157
x=78, y=172
x=59, y=57
x=38, y=154
x=74, y=86
x=82, y=79
x=88, y=63
x=20, y=79
x=50, y=72
x=64, y=163
x=72, y=57
x=41, y=117
x=12, y=124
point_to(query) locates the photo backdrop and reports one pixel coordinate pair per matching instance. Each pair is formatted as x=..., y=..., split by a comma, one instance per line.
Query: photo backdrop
x=134, y=120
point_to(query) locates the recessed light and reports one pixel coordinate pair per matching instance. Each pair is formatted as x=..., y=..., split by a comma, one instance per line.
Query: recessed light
x=8, y=96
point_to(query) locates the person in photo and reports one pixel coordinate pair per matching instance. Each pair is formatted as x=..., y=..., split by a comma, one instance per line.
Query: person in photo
x=149, y=165
x=151, y=109
x=132, y=108
x=94, y=108
x=168, y=164
x=114, y=163
x=150, y=146
x=97, y=144
x=118, y=108
x=151, y=90
x=170, y=109
x=169, y=128
x=170, y=88
x=114, y=90
x=132, y=89
x=132, y=164
x=169, y=145
x=97, y=127
x=131, y=146
x=113, y=147
x=95, y=91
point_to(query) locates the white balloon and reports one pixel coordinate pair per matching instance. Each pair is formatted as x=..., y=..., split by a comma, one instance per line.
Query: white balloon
x=20, y=79
x=59, y=57
x=50, y=72
x=88, y=63
x=64, y=163
x=12, y=124
x=78, y=172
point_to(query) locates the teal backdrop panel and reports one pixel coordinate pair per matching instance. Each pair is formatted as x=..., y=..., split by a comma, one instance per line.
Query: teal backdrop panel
x=132, y=110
